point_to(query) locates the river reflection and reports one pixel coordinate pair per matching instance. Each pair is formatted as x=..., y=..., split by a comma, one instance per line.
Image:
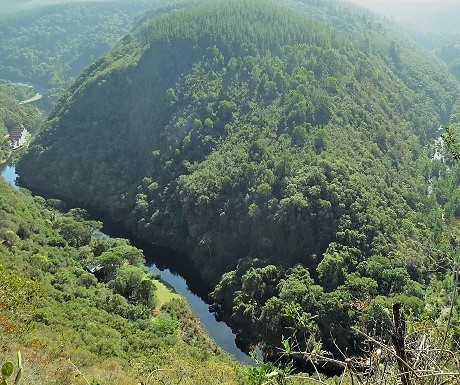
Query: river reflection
x=219, y=331
x=8, y=172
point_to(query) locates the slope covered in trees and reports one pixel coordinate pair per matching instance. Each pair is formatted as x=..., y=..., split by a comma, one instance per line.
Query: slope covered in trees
x=50, y=45
x=446, y=46
x=254, y=138
x=73, y=328
x=449, y=51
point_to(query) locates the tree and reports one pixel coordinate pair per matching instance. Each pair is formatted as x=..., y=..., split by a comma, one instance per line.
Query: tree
x=110, y=262
x=77, y=232
x=133, y=283
x=331, y=270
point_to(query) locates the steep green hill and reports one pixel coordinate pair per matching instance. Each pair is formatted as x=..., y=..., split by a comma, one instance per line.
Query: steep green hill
x=444, y=45
x=246, y=129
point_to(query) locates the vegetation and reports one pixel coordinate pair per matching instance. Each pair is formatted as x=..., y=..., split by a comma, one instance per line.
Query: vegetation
x=288, y=156
x=449, y=52
x=444, y=45
x=48, y=46
x=74, y=328
x=416, y=354
x=8, y=370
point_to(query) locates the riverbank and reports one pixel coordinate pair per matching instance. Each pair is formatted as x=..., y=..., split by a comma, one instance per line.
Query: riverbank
x=169, y=266
x=106, y=328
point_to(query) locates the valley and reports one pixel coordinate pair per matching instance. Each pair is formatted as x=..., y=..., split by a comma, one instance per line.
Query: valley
x=282, y=155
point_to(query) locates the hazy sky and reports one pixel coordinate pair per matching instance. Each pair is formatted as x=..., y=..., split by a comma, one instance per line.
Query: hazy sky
x=396, y=5
x=414, y=10
x=379, y=3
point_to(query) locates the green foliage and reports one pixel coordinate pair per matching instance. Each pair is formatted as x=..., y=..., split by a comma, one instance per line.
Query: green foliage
x=267, y=373
x=76, y=233
x=251, y=129
x=12, y=114
x=18, y=296
x=50, y=307
x=448, y=49
x=331, y=271
x=8, y=370
x=49, y=45
x=133, y=283
x=451, y=139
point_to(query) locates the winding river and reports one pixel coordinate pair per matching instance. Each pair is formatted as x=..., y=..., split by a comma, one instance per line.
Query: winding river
x=161, y=260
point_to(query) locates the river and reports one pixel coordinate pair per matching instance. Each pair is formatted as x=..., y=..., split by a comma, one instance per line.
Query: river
x=164, y=261
x=9, y=173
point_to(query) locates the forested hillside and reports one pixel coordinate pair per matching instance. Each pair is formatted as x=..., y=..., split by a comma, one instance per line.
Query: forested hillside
x=288, y=156
x=73, y=328
x=444, y=45
x=449, y=51
x=45, y=46
x=50, y=45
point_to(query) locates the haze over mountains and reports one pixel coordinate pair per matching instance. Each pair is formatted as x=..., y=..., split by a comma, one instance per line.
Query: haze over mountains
x=419, y=15
x=11, y=6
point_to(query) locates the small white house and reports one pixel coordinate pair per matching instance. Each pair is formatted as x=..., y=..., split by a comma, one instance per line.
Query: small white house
x=17, y=136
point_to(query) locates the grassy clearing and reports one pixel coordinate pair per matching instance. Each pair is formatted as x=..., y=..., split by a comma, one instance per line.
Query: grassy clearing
x=164, y=294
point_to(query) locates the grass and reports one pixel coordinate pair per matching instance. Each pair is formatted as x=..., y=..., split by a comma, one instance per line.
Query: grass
x=164, y=294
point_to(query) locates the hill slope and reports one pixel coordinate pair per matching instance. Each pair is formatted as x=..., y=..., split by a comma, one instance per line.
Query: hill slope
x=449, y=51
x=49, y=45
x=66, y=322
x=247, y=129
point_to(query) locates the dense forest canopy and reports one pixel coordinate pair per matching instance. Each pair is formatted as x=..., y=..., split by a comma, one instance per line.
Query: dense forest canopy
x=446, y=46
x=434, y=25
x=45, y=46
x=289, y=156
